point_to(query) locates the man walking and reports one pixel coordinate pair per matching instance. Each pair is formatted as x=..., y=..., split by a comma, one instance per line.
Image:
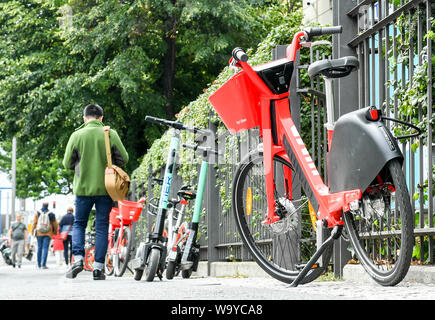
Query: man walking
x=44, y=227
x=17, y=235
x=86, y=155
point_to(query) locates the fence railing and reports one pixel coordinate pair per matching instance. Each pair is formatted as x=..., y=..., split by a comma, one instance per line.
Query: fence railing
x=395, y=52
x=371, y=29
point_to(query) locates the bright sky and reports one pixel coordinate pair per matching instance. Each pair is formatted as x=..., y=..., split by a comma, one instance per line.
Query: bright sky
x=62, y=202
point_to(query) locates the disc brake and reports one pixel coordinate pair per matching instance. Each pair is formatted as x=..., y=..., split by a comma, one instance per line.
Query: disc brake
x=287, y=213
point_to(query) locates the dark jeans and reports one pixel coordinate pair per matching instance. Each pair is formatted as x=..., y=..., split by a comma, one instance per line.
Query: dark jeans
x=67, y=248
x=43, y=243
x=84, y=204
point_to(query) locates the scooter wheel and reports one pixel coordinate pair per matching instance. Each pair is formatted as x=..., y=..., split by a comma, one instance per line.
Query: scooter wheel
x=138, y=275
x=186, y=273
x=170, y=270
x=152, y=264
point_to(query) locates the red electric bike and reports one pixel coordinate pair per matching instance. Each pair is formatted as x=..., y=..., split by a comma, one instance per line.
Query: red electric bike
x=121, y=236
x=286, y=215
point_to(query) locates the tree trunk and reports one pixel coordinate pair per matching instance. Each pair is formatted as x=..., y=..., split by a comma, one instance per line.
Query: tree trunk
x=169, y=69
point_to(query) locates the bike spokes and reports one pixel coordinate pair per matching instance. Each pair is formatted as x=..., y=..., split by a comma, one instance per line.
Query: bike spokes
x=286, y=245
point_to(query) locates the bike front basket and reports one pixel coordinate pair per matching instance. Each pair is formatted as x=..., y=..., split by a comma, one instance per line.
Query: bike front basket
x=237, y=103
x=130, y=210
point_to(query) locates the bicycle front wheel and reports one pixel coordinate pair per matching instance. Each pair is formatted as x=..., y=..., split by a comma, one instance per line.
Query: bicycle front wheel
x=108, y=263
x=283, y=248
x=89, y=259
x=382, y=230
x=124, y=252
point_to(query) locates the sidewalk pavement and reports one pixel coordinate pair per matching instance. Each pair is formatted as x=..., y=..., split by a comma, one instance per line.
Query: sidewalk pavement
x=424, y=274
x=228, y=281
x=351, y=272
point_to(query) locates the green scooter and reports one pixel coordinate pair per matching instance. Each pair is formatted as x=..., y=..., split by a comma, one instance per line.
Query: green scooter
x=184, y=254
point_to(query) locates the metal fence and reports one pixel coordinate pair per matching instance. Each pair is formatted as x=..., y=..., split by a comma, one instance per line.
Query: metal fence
x=390, y=40
x=371, y=32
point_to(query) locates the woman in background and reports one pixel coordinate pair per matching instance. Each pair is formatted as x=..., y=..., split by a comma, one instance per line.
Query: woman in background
x=65, y=224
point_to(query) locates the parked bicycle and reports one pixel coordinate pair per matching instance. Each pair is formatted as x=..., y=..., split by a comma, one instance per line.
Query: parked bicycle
x=184, y=253
x=90, y=237
x=121, y=236
x=151, y=255
x=366, y=188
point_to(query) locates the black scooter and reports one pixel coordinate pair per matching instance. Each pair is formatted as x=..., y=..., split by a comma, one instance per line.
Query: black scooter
x=5, y=249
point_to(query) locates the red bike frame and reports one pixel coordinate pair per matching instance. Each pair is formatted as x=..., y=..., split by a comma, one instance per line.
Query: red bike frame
x=119, y=223
x=289, y=145
x=114, y=249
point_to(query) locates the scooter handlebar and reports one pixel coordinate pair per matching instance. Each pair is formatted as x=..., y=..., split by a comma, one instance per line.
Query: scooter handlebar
x=175, y=124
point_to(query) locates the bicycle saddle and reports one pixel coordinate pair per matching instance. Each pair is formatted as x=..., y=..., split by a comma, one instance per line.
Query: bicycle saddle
x=186, y=194
x=335, y=68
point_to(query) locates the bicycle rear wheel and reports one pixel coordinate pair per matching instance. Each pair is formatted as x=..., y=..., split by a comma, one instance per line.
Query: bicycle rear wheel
x=382, y=230
x=124, y=252
x=283, y=248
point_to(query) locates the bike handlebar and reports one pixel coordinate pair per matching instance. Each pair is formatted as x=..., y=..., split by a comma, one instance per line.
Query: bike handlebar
x=175, y=124
x=239, y=54
x=318, y=31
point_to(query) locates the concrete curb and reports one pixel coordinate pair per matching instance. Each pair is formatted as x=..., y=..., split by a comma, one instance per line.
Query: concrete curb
x=351, y=272
x=419, y=274
x=231, y=269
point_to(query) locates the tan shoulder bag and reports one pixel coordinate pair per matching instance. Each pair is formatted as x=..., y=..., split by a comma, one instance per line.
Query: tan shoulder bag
x=116, y=180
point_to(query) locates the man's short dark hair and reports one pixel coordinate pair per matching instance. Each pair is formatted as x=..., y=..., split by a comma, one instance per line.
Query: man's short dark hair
x=93, y=111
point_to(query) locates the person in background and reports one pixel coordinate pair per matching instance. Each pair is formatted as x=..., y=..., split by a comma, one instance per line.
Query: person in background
x=58, y=248
x=85, y=153
x=43, y=236
x=16, y=236
x=66, y=224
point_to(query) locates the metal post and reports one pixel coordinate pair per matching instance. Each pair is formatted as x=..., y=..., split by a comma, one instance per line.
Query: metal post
x=347, y=88
x=212, y=202
x=14, y=180
x=149, y=218
x=429, y=15
x=346, y=98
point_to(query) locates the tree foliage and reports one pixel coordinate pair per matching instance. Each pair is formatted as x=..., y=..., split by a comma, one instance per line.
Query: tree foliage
x=132, y=57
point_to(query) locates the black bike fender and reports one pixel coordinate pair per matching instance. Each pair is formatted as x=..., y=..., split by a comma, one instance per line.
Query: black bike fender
x=360, y=149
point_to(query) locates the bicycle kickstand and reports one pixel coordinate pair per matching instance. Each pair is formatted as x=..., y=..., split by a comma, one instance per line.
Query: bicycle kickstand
x=335, y=234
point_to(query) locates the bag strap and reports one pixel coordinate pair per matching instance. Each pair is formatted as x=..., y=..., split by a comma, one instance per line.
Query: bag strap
x=106, y=130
